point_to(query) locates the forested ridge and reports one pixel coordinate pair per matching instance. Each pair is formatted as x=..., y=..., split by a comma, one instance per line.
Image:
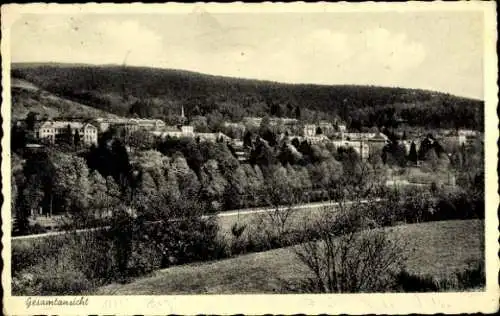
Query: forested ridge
x=152, y=92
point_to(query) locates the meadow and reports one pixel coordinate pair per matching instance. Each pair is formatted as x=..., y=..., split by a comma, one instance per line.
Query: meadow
x=435, y=250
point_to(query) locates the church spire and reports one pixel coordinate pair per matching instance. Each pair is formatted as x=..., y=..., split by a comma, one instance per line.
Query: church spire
x=182, y=112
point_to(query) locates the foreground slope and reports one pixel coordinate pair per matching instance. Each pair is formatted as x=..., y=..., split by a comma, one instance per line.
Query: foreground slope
x=437, y=249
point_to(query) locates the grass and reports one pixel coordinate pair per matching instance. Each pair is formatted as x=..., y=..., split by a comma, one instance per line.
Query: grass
x=436, y=248
x=296, y=219
x=419, y=175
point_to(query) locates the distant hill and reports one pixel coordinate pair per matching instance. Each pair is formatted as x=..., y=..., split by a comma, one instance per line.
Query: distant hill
x=28, y=97
x=160, y=93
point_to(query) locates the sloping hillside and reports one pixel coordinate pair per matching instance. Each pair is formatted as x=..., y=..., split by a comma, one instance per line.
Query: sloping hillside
x=160, y=92
x=28, y=97
x=435, y=249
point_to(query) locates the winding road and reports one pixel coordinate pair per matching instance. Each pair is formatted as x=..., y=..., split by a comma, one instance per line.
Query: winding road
x=240, y=212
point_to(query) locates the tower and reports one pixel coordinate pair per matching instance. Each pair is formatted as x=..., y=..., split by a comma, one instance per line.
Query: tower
x=183, y=116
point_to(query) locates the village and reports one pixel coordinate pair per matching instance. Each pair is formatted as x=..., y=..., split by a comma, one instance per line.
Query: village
x=288, y=129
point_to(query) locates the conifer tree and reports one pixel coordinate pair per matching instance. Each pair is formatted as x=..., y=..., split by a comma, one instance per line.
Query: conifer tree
x=412, y=156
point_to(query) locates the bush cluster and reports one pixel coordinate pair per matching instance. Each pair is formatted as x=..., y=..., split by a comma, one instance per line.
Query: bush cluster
x=427, y=204
x=130, y=248
x=474, y=276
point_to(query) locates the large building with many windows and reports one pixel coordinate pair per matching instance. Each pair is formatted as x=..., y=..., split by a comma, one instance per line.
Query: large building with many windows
x=359, y=146
x=130, y=124
x=186, y=131
x=175, y=132
x=49, y=131
x=273, y=121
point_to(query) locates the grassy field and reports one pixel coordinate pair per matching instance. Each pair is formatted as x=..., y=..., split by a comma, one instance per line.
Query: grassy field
x=296, y=219
x=435, y=248
x=419, y=175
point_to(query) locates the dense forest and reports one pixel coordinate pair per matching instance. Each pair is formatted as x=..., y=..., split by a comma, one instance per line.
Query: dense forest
x=150, y=92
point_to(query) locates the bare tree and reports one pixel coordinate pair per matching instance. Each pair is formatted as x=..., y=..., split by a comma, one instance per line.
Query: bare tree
x=277, y=224
x=348, y=253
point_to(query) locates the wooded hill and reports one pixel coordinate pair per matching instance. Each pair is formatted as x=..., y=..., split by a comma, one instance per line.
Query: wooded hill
x=152, y=92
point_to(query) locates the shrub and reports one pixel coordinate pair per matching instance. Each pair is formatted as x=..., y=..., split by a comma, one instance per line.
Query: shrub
x=185, y=240
x=23, y=284
x=121, y=234
x=424, y=205
x=237, y=230
x=92, y=254
x=144, y=259
x=254, y=241
x=459, y=204
x=27, y=253
x=409, y=282
x=474, y=276
x=56, y=276
x=63, y=283
x=36, y=229
x=237, y=241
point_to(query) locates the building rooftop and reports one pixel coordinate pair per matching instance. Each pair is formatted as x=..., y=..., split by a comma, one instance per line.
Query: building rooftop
x=63, y=124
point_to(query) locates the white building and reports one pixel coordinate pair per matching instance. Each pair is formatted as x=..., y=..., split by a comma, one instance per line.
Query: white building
x=175, y=132
x=317, y=139
x=49, y=130
x=341, y=128
x=273, y=121
x=187, y=131
x=310, y=130
x=147, y=124
x=212, y=137
x=130, y=124
x=105, y=123
x=359, y=136
x=326, y=127
x=467, y=132
x=360, y=147
x=312, y=139
x=234, y=125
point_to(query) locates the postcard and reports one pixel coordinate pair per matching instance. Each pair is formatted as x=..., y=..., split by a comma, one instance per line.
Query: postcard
x=265, y=158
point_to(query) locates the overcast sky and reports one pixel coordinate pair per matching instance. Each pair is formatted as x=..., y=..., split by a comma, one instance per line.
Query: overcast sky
x=429, y=50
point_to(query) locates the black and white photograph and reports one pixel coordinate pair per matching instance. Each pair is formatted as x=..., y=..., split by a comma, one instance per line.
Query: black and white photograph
x=179, y=151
